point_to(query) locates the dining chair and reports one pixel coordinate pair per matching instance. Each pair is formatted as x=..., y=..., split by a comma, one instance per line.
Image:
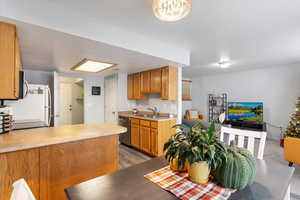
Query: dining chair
x=245, y=139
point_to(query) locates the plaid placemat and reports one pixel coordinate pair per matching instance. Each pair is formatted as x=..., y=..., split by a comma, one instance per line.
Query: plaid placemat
x=178, y=184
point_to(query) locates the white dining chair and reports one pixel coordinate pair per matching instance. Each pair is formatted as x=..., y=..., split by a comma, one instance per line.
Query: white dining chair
x=21, y=191
x=241, y=135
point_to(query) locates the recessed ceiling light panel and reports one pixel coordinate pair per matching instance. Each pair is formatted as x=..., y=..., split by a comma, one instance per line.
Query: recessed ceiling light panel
x=93, y=66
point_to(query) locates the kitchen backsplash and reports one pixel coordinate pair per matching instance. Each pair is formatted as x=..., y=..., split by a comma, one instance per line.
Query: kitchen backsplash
x=162, y=105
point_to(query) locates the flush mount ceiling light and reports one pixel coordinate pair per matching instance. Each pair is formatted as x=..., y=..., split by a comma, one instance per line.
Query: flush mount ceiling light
x=171, y=10
x=224, y=64
x=94, y=66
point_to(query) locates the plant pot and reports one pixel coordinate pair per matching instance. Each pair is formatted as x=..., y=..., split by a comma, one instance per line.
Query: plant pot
x=199, y=172
x=174, y=166
x=292, y=150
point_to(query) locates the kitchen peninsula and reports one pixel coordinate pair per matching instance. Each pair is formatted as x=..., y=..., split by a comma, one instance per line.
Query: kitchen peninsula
x=52, y=159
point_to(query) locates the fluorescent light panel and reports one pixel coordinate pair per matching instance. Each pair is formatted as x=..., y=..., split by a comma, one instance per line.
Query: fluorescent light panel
x=92, y=66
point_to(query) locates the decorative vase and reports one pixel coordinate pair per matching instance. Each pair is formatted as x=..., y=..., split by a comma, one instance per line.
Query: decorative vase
x=174, y=166
x=199, y=172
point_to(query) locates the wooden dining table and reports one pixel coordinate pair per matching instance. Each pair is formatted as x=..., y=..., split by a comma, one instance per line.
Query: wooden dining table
x=272, y=181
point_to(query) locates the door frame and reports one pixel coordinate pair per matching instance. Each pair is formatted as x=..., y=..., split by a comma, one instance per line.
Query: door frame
x=56, y=96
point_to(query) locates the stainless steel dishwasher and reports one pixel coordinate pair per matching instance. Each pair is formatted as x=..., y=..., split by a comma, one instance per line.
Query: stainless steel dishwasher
x=125, y=138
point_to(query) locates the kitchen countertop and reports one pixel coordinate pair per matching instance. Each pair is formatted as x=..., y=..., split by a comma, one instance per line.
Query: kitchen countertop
x=270, y=183
x=164, y=117
x=39, y=137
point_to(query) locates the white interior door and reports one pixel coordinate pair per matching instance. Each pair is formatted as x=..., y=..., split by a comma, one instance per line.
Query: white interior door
x=110, y=99
x=65, y=104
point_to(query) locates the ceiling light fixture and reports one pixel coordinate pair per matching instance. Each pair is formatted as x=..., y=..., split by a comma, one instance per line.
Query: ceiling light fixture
x=224, y=64
x=94, y=66
x=171, y=10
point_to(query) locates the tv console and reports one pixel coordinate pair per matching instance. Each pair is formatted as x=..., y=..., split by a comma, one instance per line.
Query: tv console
x=248, y=125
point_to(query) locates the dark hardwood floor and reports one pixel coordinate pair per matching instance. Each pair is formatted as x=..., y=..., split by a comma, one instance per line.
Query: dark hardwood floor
x=129, y=157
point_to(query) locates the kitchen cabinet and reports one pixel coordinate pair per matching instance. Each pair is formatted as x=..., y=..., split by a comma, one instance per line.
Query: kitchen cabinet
x=155, y=81
x=10, y=62
x=145, y=82
x=169, y=83
x=145, y=139
x=163, y=81
x=153, y=141
x=135, y=135
x=137, y=93
x=130, y=87
x=150, y=136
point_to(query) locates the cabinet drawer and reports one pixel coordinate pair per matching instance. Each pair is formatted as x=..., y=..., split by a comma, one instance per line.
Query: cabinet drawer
x=135, y=121
x=145, y=123
x=154, y=125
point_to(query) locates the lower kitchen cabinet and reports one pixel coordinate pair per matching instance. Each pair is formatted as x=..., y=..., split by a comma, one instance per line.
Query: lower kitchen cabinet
x=135, y=135
x=153, y=141
x=150, y=136
x=145, y=139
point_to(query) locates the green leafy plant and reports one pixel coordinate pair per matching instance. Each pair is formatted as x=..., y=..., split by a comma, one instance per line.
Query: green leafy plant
x=194, y=144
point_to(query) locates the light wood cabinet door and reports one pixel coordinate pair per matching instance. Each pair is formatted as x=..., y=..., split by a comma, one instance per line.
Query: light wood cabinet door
x=153, y=141
x=155, y=81
x=8, y=73
x=17, y=165
x=137, y=94
x=169, y=83
x=145, y=82
x=145, y=139
x=130, y=95
x=135, y=135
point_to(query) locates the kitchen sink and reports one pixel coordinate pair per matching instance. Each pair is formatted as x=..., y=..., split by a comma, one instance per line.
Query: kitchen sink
x=152, y=116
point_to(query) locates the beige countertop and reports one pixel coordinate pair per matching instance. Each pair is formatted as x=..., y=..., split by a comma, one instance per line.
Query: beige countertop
x=38, y=137
x=163, y=117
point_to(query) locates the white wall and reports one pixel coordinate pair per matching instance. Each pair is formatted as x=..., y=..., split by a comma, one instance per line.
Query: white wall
x=122, y=101
x=93, y=105
x=186, y=105
x=278, y=88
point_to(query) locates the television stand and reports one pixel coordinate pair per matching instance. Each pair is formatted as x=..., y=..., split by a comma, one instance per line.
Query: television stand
x=247, y=125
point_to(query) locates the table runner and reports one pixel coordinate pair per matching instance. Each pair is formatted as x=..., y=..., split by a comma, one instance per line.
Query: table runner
x=178, y=184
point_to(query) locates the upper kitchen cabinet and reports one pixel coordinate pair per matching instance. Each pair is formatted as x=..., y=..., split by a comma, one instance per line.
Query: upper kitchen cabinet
x=145, y=82
x=134, y=87
x=155, y=81
x=10, y=62
x=169, y=79
x=130, y=87
x=161, y=81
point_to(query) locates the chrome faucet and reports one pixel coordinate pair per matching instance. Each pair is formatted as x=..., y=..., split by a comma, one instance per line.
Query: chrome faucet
x=154, y=110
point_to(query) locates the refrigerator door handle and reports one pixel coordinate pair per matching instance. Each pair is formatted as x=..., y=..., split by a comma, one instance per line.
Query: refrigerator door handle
x=27, y=88
x=49, y=106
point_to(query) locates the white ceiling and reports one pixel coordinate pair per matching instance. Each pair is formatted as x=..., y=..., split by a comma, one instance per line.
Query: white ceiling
x=253, y=34
x=49, y=50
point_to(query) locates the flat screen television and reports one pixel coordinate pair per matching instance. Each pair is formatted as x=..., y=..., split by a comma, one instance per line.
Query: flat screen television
x=250, y=111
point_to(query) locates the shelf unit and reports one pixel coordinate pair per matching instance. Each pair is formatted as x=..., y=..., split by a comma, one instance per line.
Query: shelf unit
x=217, y=104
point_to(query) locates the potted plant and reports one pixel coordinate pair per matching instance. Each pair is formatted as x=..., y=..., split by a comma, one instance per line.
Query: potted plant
x=200, y=148
x=172, y=148
x=292, y=138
